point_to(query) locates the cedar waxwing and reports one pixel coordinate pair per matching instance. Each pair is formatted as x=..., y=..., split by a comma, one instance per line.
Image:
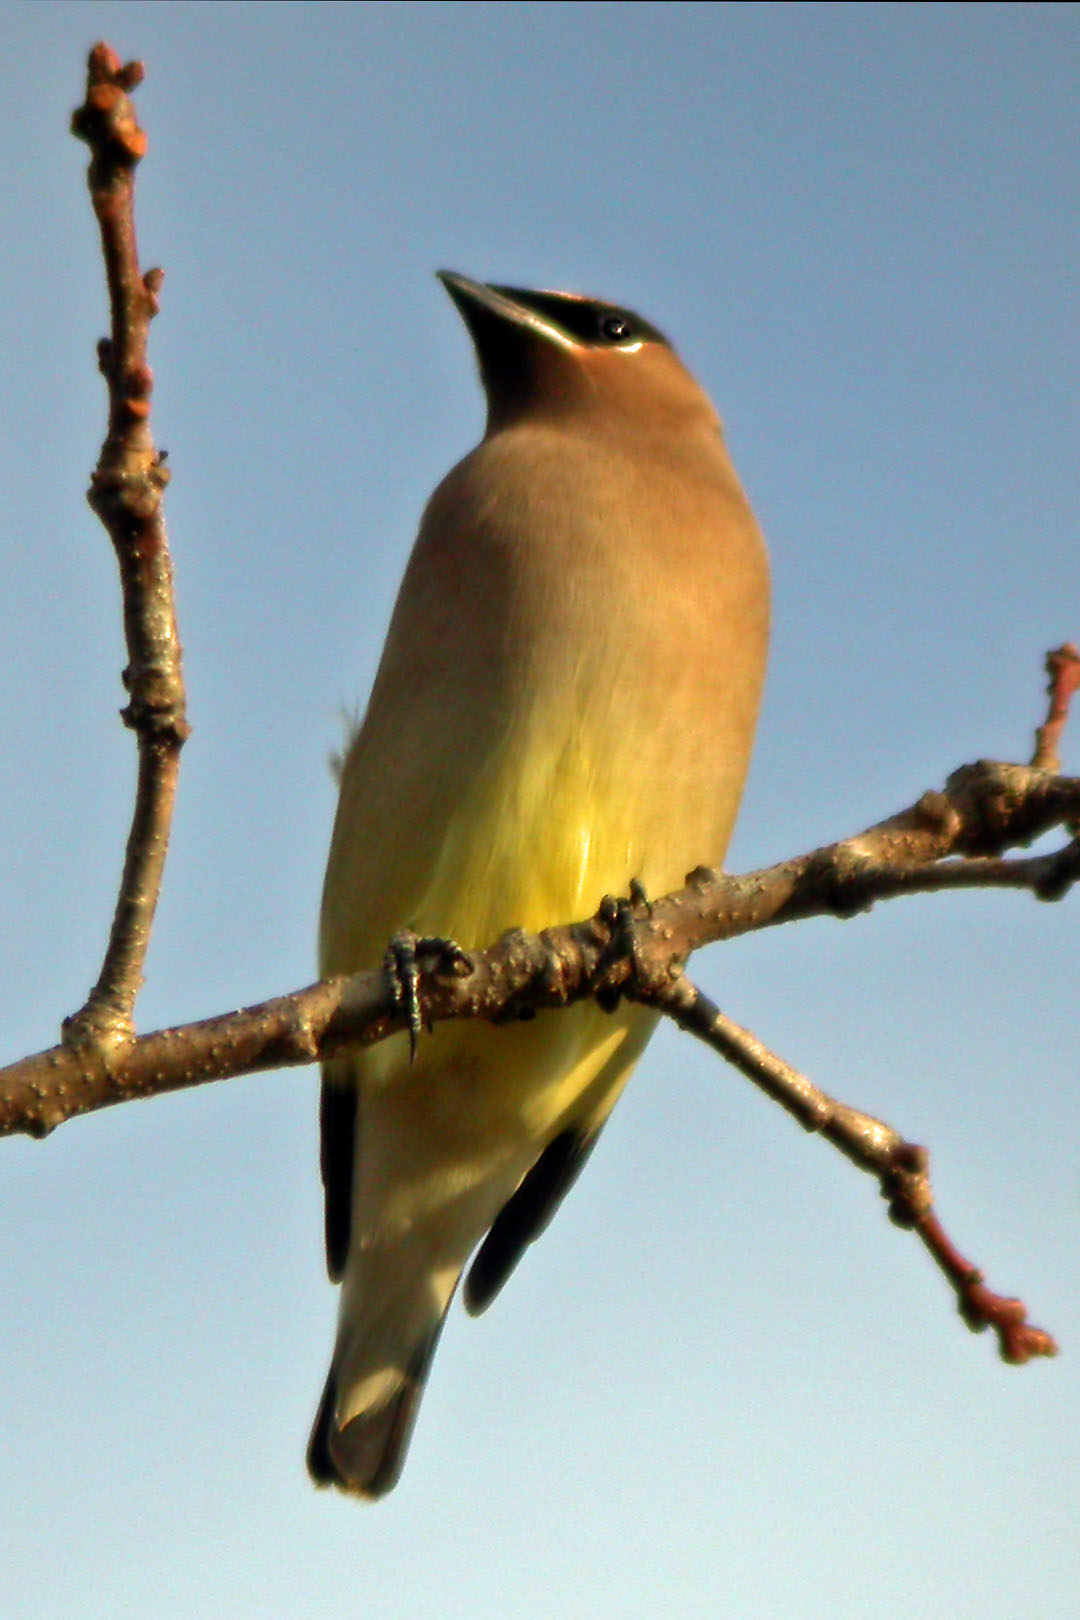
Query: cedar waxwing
x=565, y=703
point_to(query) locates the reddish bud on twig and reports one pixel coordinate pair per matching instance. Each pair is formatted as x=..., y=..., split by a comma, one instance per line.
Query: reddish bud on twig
x=153, y=281
x=1063, y=668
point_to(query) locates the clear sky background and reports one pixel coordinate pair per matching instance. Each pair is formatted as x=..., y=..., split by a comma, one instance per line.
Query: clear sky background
x=723, y=1384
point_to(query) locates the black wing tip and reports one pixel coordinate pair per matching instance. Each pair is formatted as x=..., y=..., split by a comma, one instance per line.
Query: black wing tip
x=525, y=1215
x=487, y=1274
x=337, y=1122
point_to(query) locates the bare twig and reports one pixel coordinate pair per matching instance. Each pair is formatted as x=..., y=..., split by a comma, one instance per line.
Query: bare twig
x=902, y=1168
x=1019, y=1340
x=1063, y=668
x=126, y=493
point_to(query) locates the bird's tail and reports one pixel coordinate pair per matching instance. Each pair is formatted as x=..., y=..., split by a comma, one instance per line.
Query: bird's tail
x=365, y=1454
x=381, y=1362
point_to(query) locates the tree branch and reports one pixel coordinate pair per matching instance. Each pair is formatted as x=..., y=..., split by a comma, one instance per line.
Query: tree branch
x=623, y=950
x=902, y=1168
x=126, y=493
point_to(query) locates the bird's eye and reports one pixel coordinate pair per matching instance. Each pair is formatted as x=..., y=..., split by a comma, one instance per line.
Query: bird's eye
x=616, y=328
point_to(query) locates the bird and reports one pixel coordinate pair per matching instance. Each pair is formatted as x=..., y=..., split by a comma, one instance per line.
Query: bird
x=564, y=708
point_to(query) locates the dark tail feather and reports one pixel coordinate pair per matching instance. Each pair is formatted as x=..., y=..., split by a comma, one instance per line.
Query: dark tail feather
x=367, y=1455
x=525, y=1215
x=320, y=1464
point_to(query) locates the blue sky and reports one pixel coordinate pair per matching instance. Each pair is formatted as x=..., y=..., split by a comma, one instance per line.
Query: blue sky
x=723, y=1384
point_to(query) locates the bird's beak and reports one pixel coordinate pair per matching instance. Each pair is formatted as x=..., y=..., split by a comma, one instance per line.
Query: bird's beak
x=481, y=304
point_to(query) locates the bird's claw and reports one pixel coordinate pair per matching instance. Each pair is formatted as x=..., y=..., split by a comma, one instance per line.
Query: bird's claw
x=639, y=899
x=620, y=914
x=402, y=965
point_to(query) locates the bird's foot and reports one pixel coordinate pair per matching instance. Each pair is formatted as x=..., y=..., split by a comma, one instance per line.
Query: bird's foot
x=620, y=914
x=639, y=898
x=402, y=964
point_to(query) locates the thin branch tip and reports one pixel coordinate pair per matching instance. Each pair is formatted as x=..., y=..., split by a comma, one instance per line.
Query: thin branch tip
x=106, y=120
x=1063, y=680
x=125, y=492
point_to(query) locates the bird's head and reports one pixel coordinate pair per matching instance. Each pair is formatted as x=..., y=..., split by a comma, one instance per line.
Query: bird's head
x=553, y=354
